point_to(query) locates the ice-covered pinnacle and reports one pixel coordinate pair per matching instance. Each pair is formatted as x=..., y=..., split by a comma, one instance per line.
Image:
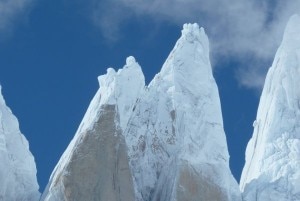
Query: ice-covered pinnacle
x=178, y=121
x=272, y=164
x=175, y=138
x=100, y=134
x=110, y=76
x=187, y=78
x=17, y=167
x=113, y=83
x=192, y=32
x=189, y=57
x=291, y=38
x=119, y=88
x=130, y=61
x=122, y=87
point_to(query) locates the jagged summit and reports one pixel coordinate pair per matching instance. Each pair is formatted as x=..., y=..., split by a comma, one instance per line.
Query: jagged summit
x=95, y=165
x=176, y=128
x=130, y=61
x=192, y=32
x=122, y=88
x=170, y=133
x=111, y=75
x=189, y=60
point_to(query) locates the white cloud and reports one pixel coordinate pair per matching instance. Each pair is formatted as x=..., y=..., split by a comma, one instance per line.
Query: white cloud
x=10, y=10
x=252, y=75
x=237, y=28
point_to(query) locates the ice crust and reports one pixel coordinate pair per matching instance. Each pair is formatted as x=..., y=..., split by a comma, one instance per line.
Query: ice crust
x=272, y=164
x=18, y=181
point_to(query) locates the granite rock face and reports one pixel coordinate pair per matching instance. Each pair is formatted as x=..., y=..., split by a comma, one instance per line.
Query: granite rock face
x=98, y=168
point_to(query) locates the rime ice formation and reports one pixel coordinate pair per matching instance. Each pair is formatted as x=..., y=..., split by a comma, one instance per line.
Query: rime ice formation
x=17, y=167
x=95, y=165
x=162, y=142
x=272, y=169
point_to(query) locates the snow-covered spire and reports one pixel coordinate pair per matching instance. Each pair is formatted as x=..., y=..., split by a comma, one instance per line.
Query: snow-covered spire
x=176, y=130
x=119, y=88
x=18, y=179
x=173, y=130
x=95, y=165
x=112, y=83
x=192, y=46
x=291, y=37
x=187, y=77
x=272, y=164
x=192, y=32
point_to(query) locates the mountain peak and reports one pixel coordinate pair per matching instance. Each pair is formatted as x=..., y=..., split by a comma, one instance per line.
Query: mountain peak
x=272, y=164
x=192, y=32
x=130, y=61
x=101, y=130
x=172, y=132
x=291, y=36
x=189, y=58
x=177, y=128
x=112, y=84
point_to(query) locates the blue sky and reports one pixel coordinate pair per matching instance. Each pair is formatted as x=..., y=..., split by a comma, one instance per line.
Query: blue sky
x=51, y=53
